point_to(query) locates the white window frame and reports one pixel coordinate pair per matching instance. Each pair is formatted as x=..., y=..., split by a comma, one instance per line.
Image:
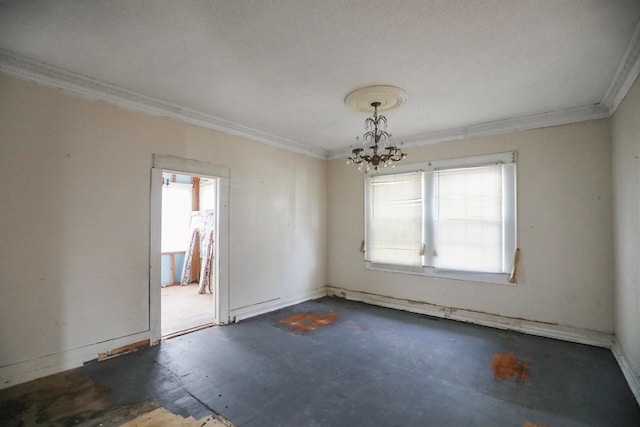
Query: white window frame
x=509, y=194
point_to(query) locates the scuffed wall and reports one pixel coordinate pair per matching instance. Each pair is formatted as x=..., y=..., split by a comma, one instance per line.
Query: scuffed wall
x=625, y=136
x=565, y=275
x=74, y=246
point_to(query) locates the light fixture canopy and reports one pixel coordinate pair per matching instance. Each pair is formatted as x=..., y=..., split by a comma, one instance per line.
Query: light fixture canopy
x=376, y=148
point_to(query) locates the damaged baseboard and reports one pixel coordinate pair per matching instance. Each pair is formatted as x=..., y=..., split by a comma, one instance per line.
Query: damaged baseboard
x=129, y=348
x=582, y=336
x=257, y=309
x=28, y=370
x=631, y=373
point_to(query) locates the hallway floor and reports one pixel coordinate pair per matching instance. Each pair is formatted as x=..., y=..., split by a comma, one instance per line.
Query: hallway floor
x=333, y=362
x=183, y=308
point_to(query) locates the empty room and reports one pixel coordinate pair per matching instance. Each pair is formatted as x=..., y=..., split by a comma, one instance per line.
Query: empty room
x=328, y=213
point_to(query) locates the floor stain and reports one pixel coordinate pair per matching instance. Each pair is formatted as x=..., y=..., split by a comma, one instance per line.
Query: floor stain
x=506, y=366
x=530, y=424
x=307, y=322
x=55, y=400
x=68, y=399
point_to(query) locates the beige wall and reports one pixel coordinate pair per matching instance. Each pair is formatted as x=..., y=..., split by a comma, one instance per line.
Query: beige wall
x=74, y=215
x=564, y=227
x=625, y=136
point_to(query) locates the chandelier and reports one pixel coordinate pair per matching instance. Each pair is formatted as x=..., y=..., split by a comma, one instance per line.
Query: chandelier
x=376, y=149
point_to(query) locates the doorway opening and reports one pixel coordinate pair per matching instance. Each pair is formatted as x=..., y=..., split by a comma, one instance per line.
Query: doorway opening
x=209, y=259
x=188, y=253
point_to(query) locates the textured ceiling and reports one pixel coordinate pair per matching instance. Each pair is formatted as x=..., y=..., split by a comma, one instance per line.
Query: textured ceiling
x=284, y=67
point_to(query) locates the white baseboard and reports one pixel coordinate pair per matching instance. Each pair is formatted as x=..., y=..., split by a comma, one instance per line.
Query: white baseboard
x=47, y=365
x=582, y=336
x=28, y=370
x=275, y=304
x=631, y=373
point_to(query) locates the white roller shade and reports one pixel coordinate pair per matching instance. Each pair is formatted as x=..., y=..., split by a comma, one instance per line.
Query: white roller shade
x=394, y=233
x=468, y=219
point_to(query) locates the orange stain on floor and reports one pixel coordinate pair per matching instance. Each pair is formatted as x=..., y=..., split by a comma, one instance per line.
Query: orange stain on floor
x=530, y=424
x=506, y=366
x=307, y=322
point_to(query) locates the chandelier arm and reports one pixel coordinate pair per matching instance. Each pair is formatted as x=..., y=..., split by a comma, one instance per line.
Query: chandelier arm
x=376, y=134
x=369, y=123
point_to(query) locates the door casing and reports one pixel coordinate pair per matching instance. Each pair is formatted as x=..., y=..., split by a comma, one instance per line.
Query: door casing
x=221, y=286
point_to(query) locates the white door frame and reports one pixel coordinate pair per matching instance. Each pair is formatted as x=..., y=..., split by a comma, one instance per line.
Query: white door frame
x=221, y=286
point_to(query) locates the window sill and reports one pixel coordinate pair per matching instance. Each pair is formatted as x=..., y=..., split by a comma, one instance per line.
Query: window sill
x=493, y=278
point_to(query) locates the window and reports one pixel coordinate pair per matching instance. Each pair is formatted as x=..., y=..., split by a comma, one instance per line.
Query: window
x=176, y=216
x=452, y=218
x=395, y=219
x=208, y=187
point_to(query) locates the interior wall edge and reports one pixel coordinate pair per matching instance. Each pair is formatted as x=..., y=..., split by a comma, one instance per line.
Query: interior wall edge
x=50, y=364
x=257, y=309
x=531, y=327
x=631, y=373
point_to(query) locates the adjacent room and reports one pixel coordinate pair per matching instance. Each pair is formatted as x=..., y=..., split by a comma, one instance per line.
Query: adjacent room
x=188, y=247
x=197, y=229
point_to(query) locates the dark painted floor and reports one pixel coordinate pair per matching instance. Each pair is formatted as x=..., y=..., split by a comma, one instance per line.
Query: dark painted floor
x=371, y=366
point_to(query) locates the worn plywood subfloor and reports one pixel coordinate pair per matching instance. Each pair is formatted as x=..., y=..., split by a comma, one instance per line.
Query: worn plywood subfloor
x=183, y=308
x=69, y=399
x=162, y=417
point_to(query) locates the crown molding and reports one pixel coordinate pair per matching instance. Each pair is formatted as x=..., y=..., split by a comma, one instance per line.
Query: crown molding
x=516, y=124
x=29, y=69
x=625, y=76
x=32, y=70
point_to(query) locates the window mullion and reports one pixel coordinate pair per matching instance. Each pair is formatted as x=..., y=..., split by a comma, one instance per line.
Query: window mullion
x=368, y=208
x=428, y=209
x=509, y=212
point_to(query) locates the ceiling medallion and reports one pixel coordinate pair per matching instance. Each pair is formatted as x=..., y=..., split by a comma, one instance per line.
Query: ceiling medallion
x=376, y=148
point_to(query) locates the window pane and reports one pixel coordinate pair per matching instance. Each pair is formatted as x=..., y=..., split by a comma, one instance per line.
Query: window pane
x=176, y=215
x=207, y=194
x=395, y=225
x=468, y=219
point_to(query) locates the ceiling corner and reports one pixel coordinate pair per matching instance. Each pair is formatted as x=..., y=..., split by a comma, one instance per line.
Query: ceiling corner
x=625, y=76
